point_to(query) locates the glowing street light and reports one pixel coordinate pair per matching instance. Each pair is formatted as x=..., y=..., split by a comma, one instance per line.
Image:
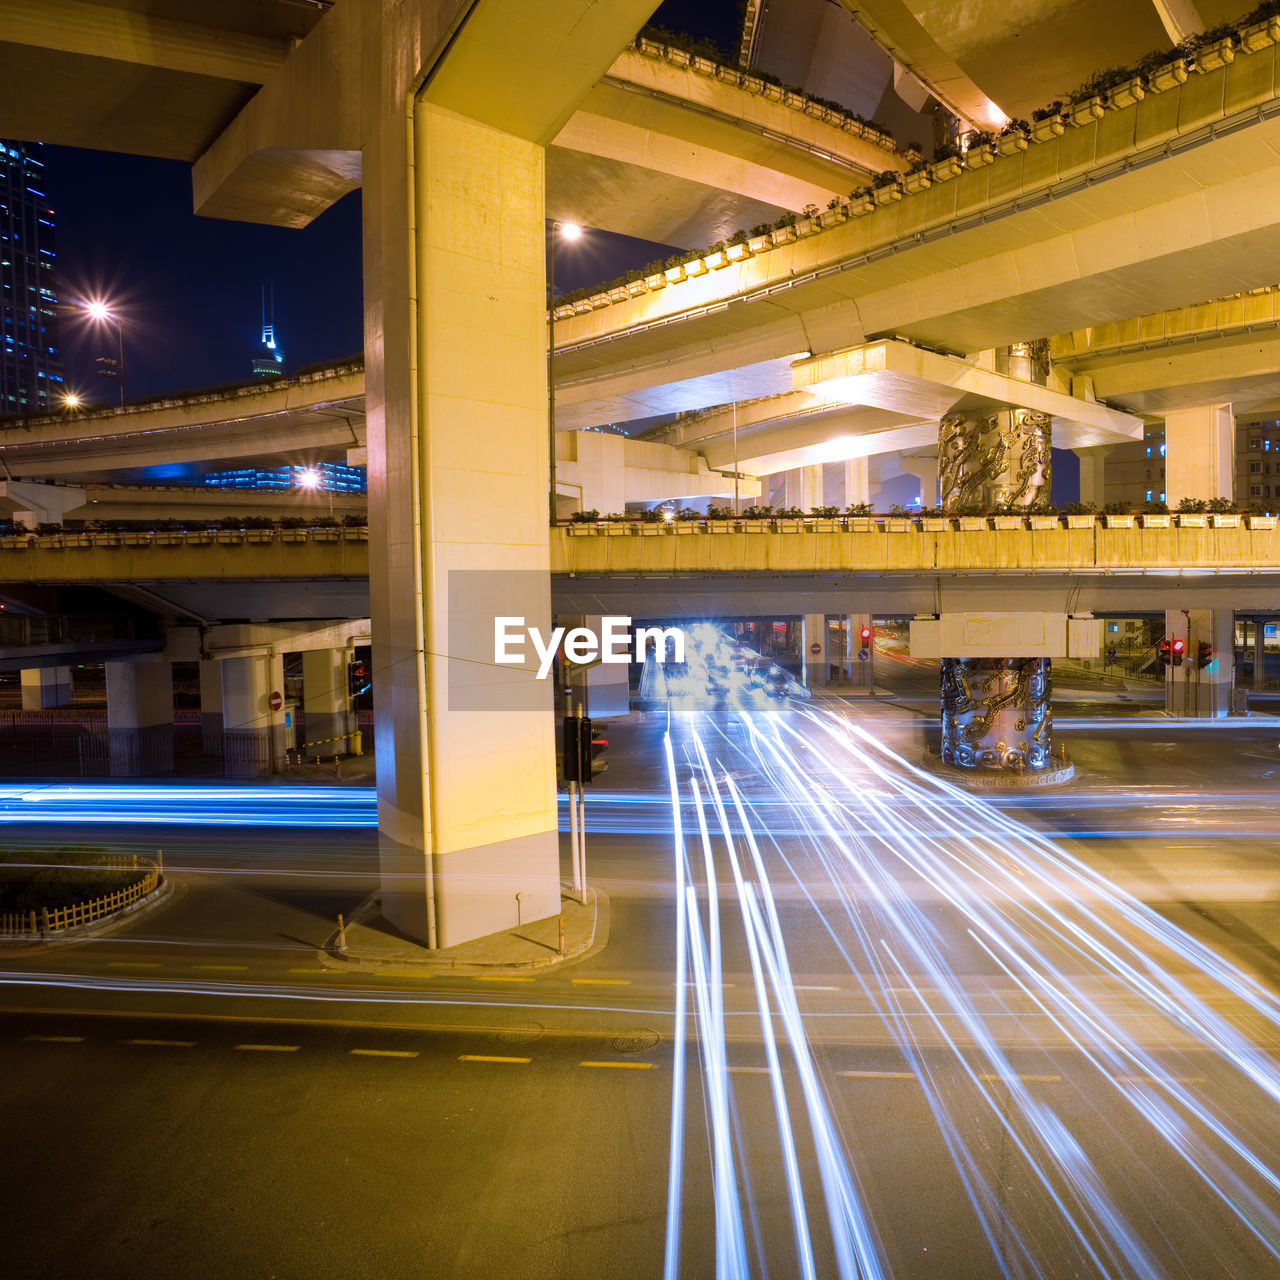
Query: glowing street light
x=309, y=479
x=102, y=312
x=72, y=400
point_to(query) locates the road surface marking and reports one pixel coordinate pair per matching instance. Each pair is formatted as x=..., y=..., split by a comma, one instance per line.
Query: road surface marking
x=499, y=977
x=796, y=988
x=57, y=1039
x=488, y=1057
x=224, y=968
x=602, y=982
x=165, y=1044
x=634, y=1066
x=269, y=1048
x=311, y=970
x=1031, y=1079
x=749, y=1071
x=385, y=1053
x=133, y=964
x=879, y=1075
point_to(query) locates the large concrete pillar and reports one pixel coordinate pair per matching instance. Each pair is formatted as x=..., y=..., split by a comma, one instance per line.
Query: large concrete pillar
x=326, y=701
x=44, y=687
x=996, y=711
x=140, y=717
x=803, y=488
x=816, y=660
x=252, y=730
x=1093, y=474
x=1192, y=690
x=924, y=468
x=1199, y=453
x=857, y=481
x=211, y=706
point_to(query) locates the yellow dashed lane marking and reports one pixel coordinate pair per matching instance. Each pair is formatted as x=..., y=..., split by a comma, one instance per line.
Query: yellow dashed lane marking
x=312, y=971
x=133, y=964
x=57, y=1039
x=385, y=1053
x=634, y=1066
x=224, y=968
x=879, y=1075
x=488, y=1057
x=602, y=982
x=749, y=1071
x=269, y=1048
x=499, y=977
x=165, y=1044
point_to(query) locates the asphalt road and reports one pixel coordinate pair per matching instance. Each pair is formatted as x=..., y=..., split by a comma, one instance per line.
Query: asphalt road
x=376, y=1135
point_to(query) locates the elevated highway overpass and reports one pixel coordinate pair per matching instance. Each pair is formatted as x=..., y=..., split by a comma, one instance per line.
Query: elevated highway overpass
x=711, y=568
x=1170, y=199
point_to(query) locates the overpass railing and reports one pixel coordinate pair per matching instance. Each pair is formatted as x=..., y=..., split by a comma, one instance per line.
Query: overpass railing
x=1073, y=543
x=179, y=538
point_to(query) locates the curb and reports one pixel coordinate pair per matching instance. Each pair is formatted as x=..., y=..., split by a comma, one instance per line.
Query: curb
x=357, y=962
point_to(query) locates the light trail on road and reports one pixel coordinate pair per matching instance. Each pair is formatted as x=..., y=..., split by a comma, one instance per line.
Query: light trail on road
x=1091, y=969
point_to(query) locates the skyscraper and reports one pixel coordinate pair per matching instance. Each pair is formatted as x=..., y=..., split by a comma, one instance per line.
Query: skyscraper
x=268, y=361
x=30, y=363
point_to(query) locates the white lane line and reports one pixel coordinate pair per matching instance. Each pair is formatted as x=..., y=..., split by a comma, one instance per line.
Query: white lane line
x=796, y=987
x=1027, y=1079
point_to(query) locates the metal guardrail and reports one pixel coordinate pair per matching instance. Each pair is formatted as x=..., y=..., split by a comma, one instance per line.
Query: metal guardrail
x=47, y=921
x=180, y=538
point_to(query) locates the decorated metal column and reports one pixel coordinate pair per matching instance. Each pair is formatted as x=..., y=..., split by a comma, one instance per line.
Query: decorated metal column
x=995, y=711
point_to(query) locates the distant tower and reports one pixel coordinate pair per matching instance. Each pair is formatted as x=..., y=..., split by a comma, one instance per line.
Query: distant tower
x=30, y=363
x=269, y=360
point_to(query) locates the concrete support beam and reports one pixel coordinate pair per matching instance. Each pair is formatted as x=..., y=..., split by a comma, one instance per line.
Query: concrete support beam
x=118, y=34
x=817, y=665
x=803, y=488
x=211, y=706
x=1199, y=453
x=44, y=687
x=924, y=468
x=326, y=702
x=253, y=737
x=1192, y=691
x=1093, y=474
x=140, y=717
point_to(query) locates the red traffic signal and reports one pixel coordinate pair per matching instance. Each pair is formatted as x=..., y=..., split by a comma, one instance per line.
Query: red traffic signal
x=1179, y=647
x=867, y=633
x=1165, y=649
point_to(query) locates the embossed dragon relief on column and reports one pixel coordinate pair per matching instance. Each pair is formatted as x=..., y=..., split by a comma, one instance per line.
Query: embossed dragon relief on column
x=993, y=459
x=996, y=712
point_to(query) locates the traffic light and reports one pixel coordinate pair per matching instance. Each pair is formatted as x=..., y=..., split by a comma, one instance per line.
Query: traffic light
x=1204, y=655
x=583, y=749
x=1179, y=648
x=356, y=683
x=595, y=747
x=867, y=636
x=1165, y=650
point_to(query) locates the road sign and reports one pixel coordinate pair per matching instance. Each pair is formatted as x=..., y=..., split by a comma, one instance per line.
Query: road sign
x=815, y=648
x=275, y=701
x=863, y=654
x=1111, y=654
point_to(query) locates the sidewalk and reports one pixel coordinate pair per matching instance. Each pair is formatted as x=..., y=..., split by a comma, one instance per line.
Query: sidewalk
x=373, y=945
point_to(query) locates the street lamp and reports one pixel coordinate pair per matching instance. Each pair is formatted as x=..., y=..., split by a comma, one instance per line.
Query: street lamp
x=72, y=400
x=311, y=479
x=101, y=312
x=568, y=232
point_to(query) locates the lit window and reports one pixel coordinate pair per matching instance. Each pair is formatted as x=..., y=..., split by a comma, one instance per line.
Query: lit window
x=1162, y=451
x=1148, y=495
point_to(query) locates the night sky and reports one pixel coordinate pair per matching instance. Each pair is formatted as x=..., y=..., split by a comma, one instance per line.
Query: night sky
x=190, y=288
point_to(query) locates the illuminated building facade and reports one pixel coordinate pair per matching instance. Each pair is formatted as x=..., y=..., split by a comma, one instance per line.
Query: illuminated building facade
x=30, y=363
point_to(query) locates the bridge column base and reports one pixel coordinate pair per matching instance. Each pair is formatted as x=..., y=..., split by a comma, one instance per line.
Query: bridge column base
x=253, y=737
x=140, y=717
x=996, y=714
x=44, y=687
x=326, y=701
